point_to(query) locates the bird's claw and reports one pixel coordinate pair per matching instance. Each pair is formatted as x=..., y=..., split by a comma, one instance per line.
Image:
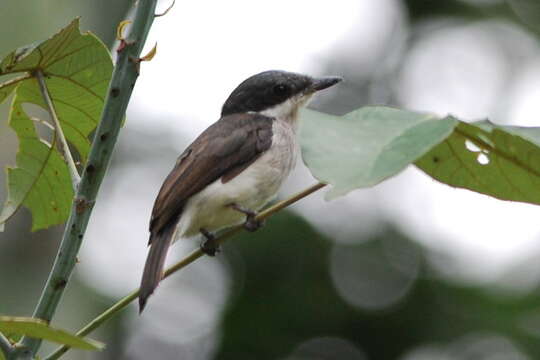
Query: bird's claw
x=252, y=224
x=210, y=246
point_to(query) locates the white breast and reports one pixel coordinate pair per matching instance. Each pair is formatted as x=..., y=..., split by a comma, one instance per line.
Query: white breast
x=252, y=188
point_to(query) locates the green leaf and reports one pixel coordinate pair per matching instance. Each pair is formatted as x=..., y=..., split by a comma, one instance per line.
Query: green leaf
x=40, y=329
x=500, y=161
x=8, y=87
x=41, y=180
x=366, y=146
x=77, y=69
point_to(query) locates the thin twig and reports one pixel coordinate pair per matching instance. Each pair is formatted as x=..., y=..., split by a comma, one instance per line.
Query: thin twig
x=125, y=301
x=167, y=10
x=123, y=79
x=75, y=177
x=5, y=346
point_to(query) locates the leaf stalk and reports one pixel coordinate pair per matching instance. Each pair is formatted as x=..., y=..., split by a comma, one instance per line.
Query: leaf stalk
x=59, y=133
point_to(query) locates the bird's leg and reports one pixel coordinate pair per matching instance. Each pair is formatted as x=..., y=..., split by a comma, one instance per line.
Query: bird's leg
x=210, y=246
x=251, y=223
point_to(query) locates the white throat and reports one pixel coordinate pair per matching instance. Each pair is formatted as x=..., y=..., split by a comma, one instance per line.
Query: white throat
x=288, y=110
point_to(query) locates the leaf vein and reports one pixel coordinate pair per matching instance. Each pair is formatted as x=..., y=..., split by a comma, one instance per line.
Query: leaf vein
x=79, y=85
x=86, y=67
x=464, y=165
x=57, y=100
x=57, y=59
x=61, y=43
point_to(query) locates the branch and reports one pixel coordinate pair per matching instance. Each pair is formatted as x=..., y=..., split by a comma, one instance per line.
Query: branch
x=123, y=80
x=75, y=177
x=5, y=346
x=110, y=312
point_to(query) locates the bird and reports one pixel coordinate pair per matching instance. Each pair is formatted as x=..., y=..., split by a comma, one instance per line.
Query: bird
x=232, y=169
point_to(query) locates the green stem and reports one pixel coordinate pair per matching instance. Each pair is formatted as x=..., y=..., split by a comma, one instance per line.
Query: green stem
x=5, y=346
x=124, y=302
x=59, y=133
x=123, y=80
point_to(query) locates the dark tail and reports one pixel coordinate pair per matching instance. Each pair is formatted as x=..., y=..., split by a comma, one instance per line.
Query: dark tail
x=153, y=269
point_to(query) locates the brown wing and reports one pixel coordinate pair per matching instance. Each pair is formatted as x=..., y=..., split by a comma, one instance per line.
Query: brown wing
x=223, y=150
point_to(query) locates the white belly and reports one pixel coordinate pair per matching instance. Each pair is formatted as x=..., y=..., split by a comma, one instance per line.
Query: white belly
x=252, y=188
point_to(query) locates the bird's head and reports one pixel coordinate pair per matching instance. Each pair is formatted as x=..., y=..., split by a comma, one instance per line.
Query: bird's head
x=275, y=93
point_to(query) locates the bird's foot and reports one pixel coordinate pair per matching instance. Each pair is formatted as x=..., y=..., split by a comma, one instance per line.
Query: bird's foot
x=251, y=224
x=210, y=246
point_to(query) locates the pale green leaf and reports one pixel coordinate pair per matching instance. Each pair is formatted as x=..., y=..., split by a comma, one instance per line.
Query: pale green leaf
x=77, y=69
x=500, y=161
x=40, y=329
x=368, y=145
x=8, y=87
x=41, y=180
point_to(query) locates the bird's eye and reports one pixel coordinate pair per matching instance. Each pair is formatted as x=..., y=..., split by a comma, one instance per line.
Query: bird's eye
x=281, y=89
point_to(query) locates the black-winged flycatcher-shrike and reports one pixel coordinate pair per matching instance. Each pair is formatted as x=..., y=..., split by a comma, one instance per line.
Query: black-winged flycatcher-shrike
x=232, y=169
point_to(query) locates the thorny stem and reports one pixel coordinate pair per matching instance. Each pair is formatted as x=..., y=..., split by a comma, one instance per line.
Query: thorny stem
x=122, y=82
x=125, y=301
x=75, y=177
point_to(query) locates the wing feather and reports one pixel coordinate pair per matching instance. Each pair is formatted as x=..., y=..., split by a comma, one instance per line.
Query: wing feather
x=224, y=150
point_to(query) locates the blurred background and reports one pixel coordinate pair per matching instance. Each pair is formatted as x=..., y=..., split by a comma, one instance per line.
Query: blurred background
x=408, y=270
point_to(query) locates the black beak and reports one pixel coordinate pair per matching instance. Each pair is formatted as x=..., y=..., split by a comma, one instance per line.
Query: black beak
x=325, y=82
